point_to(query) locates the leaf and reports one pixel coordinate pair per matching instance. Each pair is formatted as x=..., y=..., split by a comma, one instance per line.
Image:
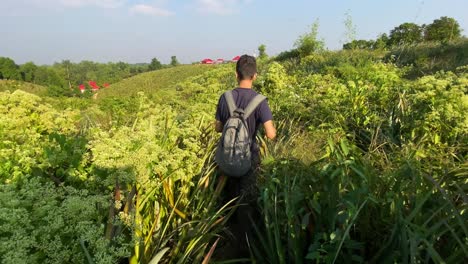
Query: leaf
x=88, y=256
x=359, y=172
x=313, y=255
x=357, y=258
x=420, y=154
x=158, y=257
x=316, y=205
x=433, y=253
x=207, y=258
x=344, y=147
x=305, y=220
x=347, y=230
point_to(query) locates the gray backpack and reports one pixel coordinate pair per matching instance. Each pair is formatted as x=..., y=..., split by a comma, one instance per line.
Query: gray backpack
x=233, y=155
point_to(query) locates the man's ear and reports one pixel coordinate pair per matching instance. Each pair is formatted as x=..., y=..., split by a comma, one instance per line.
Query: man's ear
x=237, y=76
x=254, y=77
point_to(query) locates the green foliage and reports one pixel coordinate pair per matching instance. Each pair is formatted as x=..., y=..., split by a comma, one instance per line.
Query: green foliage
x=159, y=168
x=368, y=166
x=63, y=78
x=47, y=224
x=381, y=42
x=262, y=52
x=174, y=61
x=45, y=208
x=154, y=65
x=309, y=42
x=333, y=211
x=428, y=58
x=359, y=44
x=160, y=157
x=159, y=83
x=381, y=191
x=350, y=33
x=444, y=29
x=405, y=34
x=8, y=69
x=13, y=85
x=287, y=55
x=28, y=71
x=48, y=76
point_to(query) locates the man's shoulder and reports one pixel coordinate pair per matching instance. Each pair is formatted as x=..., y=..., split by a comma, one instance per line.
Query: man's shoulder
x=225, y=92
x=248, y=92
x=221, y=96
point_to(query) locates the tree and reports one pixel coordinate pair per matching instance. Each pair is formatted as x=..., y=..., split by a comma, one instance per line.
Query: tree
x=174, y=61
x=381, y=42
x=262, y=52
x=443, y=29
x=154, y=65
x=406, y=33
x=288, y=55
x=350, y=33
x=359, y=44
x=28, y=71
x=8, y=69
x=67, y=65
x=48, y=76
x=308, y=43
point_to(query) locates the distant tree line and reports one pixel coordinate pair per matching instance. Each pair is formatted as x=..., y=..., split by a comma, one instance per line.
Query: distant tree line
x=442, y=30
x=66, y=74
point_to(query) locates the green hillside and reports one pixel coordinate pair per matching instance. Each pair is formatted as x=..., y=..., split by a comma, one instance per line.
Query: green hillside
x=152, y=82
x=12, y=85
x=428, y=58
x=122, y=101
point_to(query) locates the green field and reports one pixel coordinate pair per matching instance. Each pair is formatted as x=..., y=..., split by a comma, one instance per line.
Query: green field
x=154, y=82
x=370, y=165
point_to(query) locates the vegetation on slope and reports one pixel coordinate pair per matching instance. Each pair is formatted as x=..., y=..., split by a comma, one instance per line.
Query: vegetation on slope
x=13, y=85
x=369, y=166
x=428, y=58
x=153, y=82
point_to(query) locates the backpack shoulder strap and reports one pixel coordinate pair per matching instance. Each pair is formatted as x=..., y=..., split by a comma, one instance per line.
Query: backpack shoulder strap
x=253, y=105
x=230, y=102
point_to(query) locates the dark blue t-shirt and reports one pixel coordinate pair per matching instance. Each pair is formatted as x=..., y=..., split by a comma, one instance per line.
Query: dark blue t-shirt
x=242, y=97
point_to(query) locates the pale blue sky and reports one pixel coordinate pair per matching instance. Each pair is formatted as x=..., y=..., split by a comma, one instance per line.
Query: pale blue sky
x=47, y=31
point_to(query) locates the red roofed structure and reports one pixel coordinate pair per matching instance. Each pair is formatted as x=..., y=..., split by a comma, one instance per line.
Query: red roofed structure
x=93, y=85
x=82, y=88
x=207, y=61
x=220, y=61
x=236, y=58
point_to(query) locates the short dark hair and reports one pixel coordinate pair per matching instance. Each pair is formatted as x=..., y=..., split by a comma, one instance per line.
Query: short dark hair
x=246, y=67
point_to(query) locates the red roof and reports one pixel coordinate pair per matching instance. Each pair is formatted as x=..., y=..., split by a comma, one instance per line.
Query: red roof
x=207, y=61
x=82, y=87
x=93, y=85
x=236, y=58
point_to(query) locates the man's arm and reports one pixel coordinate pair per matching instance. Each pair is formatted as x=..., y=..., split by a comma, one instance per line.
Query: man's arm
x=270, y=129
x=220, y=114
x=219, y=126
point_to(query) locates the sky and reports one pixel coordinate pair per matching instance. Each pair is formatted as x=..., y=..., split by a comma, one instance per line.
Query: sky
x=135, y=31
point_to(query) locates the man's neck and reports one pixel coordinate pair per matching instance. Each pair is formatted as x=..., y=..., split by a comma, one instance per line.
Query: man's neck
x=246, y=84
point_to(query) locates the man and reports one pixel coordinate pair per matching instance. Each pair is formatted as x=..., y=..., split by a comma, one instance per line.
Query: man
x=245, y=187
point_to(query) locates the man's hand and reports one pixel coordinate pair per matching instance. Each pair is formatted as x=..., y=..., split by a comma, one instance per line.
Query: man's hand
x=219, y=126
x=270, y=129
